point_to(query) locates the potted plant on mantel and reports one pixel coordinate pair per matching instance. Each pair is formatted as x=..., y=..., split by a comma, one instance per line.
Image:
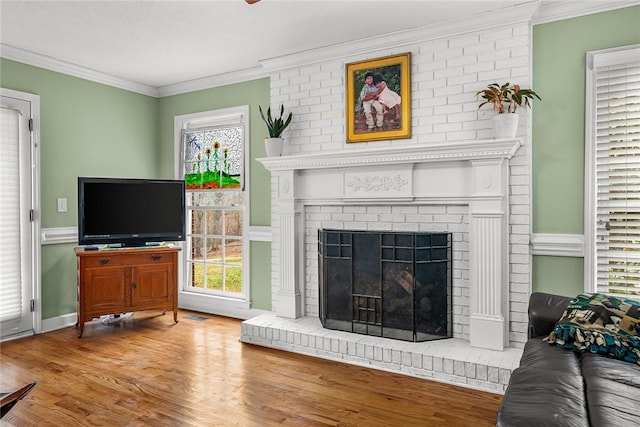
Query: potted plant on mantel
x=275, y=143
x=505, y=99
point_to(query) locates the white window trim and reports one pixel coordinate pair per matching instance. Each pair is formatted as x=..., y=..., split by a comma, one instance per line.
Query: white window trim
x=598, y=58
x=239, y=307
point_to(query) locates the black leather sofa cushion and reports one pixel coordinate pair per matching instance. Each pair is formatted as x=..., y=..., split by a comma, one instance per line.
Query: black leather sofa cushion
x=540, y=355
x=612, y=391
x=546, y=390
x=537, y=398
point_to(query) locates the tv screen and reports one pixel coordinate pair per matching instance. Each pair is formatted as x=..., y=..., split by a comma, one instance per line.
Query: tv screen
x=130, y=212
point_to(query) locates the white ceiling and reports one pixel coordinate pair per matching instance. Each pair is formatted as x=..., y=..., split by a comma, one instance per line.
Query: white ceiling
x=160, y=43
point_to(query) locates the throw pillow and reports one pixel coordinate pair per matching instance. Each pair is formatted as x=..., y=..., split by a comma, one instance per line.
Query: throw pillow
x=602, y=324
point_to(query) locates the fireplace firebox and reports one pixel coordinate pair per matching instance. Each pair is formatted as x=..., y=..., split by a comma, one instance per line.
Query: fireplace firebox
x=387, y=284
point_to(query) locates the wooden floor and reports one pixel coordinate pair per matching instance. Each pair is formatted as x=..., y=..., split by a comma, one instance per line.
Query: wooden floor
x=148, y=371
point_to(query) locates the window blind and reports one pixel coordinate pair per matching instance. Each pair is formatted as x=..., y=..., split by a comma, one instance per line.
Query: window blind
x=617, y=132
x=10, y=275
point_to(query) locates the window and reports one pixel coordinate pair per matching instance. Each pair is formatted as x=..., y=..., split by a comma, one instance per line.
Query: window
x=612, y=212
x=213, y=166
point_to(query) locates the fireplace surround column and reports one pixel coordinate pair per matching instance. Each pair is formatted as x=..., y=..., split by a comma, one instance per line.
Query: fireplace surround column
x=489, y=255
x=289, y=297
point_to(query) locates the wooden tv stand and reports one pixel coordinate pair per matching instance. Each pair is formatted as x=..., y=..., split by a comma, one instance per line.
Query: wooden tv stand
x=114, y=281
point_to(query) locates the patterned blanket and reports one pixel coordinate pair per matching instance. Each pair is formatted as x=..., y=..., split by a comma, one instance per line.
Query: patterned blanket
x=600, y=323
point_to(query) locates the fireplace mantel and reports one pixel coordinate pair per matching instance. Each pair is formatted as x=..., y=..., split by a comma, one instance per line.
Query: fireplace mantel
x=472, y=173
x=451, y=151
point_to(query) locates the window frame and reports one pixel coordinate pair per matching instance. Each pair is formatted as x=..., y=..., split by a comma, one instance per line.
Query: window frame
x=594, y=59
x=226, y=303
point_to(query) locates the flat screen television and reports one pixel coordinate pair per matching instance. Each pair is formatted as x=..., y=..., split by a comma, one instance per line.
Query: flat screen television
x=130, y=212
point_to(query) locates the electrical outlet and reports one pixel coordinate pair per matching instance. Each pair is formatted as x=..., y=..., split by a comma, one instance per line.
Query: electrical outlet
x=62, y=204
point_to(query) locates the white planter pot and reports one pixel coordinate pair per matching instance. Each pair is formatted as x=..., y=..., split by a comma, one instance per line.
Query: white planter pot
x=274, y=146
x=505, y=126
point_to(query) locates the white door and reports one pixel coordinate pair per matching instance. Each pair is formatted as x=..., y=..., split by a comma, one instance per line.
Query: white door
x=17, y=256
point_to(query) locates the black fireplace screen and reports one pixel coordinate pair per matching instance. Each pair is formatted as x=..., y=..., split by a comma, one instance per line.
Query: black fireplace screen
x=386, y=284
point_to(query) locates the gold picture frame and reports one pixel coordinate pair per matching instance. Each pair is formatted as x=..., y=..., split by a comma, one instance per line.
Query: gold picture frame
x=383, y=111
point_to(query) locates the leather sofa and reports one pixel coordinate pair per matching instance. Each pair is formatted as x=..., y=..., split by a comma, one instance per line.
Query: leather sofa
x=554, y=386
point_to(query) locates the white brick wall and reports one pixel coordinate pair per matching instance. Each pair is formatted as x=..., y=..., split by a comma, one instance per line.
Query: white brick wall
x=445, y=75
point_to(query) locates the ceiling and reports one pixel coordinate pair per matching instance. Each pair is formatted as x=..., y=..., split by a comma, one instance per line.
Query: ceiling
x=161, y=43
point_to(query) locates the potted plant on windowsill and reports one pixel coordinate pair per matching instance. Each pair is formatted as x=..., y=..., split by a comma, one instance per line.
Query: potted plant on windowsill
x=505, y=99
x=275, y=126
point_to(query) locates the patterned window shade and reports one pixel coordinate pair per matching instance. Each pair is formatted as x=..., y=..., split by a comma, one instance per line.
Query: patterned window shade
x=617, y=158
x=213, y=157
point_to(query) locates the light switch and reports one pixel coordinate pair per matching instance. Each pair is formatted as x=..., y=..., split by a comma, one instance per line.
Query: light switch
x=62, y=204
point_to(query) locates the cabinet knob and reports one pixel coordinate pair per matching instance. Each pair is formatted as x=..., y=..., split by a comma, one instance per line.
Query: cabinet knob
x=133, y=286
x=156, y=258
x=104, y=261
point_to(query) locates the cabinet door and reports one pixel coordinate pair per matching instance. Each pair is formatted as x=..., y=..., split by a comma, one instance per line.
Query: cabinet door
x=106, y=290
x=152, y=286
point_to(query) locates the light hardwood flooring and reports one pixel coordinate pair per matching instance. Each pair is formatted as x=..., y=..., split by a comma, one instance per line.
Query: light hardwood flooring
x=148, y=371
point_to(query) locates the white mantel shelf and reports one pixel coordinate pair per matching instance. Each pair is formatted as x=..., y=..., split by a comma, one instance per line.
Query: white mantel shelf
x=472, y=173
x=450, y=151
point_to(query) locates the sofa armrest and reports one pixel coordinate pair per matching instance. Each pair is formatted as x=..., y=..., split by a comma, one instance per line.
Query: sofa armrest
x=544, y=312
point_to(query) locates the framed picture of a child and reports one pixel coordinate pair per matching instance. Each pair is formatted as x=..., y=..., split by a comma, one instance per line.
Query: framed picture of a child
x=379, y=99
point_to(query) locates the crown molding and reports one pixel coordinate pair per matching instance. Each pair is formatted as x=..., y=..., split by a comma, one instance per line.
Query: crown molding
x=403, y=38
x=53, y=64
x=535, y=12
x=213, y=81
x=551, y=11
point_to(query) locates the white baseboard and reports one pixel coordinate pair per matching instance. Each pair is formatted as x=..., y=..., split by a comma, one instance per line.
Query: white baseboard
x=59, y=322
x=227, y=307
x=221, y=308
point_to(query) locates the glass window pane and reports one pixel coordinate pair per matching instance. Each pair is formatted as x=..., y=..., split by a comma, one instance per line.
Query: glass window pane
x=197, y=248
x=233, y=251
x=197, y=221
x=233, y=279
x=233, y=223
x=214, y=250
x=214, y=158
x=197, y=275
x=214, y=222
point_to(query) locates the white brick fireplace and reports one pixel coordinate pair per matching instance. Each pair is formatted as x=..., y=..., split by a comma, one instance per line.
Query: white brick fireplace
x=449, y=176
x=473, y=175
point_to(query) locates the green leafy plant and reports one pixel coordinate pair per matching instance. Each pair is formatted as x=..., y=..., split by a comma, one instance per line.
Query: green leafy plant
x=275, y=126
x=507, y=98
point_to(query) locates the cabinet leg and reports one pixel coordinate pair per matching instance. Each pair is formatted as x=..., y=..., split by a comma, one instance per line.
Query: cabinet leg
x=80, y=325
x=175, y=316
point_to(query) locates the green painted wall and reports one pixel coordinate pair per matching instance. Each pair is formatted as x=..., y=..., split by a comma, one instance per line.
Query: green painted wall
x=559, y=69
x=251, y=93
x=86, y=128
x=261, y=275
x=92, y=129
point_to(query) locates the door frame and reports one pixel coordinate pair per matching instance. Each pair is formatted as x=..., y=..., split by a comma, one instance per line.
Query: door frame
x=35, y=267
